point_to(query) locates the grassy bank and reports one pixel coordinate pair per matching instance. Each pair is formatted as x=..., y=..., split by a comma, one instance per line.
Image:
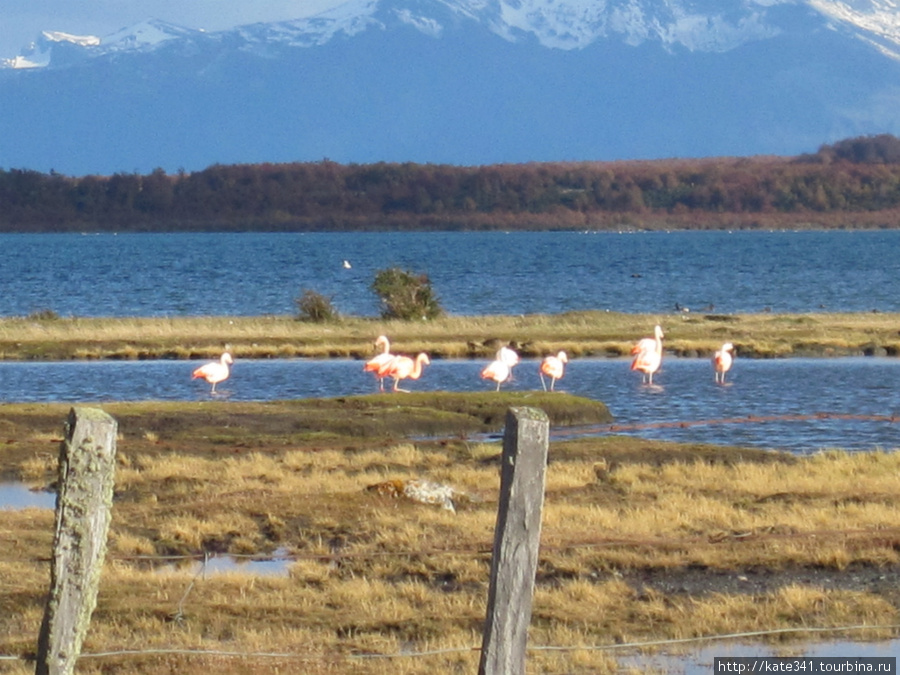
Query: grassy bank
x=591, y=333
x=641, y=540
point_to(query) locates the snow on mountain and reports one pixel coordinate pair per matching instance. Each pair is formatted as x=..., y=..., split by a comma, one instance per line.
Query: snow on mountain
x=145, y=35
x=459, y=82
x=878, y=21
x=695, y=25
x=38, y=53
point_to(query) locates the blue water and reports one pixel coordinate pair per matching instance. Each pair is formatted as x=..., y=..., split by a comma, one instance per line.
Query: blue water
x=683, y=391
x=471, y=272
x=483, y=273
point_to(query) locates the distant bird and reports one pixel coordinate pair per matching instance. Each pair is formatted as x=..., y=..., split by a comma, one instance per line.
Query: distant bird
x=215, y=371
x=553, y=367
x=347, y=265
x=722, y=361
x=378, y=363
x=403, y=367
x=648, y=355
x=498, y=370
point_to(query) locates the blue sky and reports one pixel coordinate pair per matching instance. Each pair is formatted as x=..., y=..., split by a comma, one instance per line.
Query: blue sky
x=22, y=20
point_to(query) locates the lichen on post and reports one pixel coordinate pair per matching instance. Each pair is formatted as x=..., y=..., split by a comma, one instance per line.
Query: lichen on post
x=87, y=458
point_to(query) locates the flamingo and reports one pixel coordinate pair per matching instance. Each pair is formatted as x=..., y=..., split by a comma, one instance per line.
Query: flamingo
x=498, y=370
x=403, y=367
x=722, y=361
x=648, y=355
x=214, y=372
x=508, y=356
x=378, y=363
x=553, y=367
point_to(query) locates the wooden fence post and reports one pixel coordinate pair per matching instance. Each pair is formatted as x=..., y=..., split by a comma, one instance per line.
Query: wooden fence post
x=83, y=509
x=516, y=542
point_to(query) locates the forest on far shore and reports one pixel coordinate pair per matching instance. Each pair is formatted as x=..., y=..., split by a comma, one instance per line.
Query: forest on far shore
x=854, y=183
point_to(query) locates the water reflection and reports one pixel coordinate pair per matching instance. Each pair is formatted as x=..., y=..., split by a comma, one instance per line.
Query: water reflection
x=275, y=565
x=14, y=496
x=700, y=661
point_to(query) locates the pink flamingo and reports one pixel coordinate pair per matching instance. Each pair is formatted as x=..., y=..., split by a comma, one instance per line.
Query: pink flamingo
x=215, y=371
x=403, y=367
x=378, y=363
x=498, y=370
x=722, y=361
x=648, y=355
x=553, y=367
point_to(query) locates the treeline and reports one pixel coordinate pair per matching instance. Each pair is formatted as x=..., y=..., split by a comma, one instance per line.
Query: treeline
x=853, y=183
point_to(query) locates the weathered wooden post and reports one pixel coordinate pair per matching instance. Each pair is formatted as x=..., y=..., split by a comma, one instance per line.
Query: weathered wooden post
x=83, y=510
x=516, y=542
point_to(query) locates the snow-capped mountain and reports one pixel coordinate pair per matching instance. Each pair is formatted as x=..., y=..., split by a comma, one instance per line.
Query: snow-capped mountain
x=459, y=81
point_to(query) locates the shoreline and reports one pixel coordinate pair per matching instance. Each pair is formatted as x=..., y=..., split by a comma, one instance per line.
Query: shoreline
x=591, y=333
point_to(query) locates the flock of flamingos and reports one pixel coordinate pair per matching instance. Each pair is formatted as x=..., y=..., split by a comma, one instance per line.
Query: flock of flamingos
x=647, y=359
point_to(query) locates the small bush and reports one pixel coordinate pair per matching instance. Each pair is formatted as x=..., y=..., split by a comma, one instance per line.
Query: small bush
x=406, y=295
x=43, y=315
x=316, y=307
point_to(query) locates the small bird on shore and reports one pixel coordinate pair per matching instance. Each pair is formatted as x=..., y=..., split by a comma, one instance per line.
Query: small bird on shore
x=648, y=355
x=215, y=371
x=553, y=367
x=722, y=361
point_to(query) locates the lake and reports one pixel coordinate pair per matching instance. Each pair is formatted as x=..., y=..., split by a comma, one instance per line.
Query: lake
x=683, y=391
x=485, y=273
x=473, y=273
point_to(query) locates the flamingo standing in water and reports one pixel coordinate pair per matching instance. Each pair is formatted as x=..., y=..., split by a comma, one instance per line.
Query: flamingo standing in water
x=214, y=372
x=403, y=367
x=648, y=355
x=722, y=361
x=553, y=367
x=378, y=363
x=500, y=369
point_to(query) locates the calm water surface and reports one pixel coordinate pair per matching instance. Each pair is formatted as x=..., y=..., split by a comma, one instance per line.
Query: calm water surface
x=482, y=273
x=683, y=391
x=473, y=273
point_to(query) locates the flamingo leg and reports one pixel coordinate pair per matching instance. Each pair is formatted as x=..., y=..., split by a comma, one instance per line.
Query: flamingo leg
x=552, y=383
x=544, y=384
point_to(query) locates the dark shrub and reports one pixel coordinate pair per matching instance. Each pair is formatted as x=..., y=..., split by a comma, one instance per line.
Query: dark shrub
x=406, y=295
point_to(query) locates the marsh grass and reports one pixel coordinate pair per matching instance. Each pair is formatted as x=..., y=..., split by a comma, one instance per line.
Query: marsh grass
x=370, y=573
x=587, y=333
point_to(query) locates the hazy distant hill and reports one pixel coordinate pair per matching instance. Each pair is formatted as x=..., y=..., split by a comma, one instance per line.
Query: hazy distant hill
x=466, y=82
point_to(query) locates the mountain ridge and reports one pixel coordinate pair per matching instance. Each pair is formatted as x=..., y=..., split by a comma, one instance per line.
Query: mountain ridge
x=463, y=82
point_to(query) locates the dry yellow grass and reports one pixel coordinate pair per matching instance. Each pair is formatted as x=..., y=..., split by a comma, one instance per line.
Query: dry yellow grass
x=579, y=333
x=377, y=575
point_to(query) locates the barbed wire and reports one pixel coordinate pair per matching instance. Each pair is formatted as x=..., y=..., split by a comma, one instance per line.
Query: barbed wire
x=461, y=650
x=716, y=537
